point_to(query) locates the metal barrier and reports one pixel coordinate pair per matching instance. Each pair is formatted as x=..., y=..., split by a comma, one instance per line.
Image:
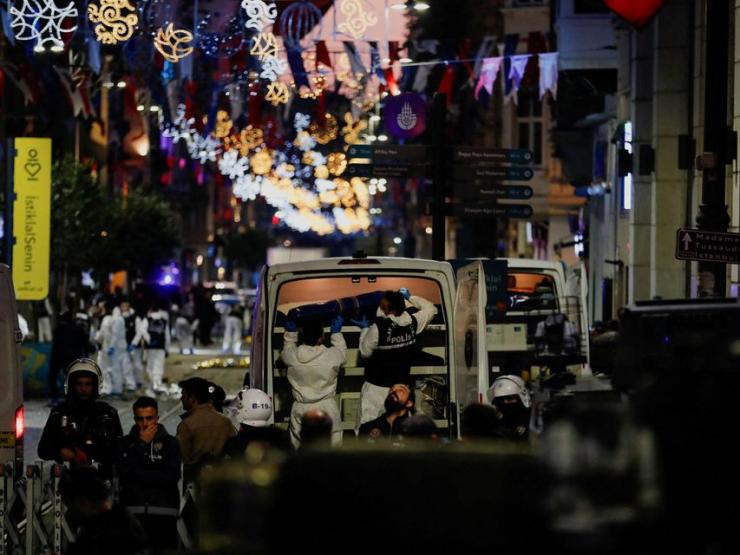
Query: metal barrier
x=33, y=516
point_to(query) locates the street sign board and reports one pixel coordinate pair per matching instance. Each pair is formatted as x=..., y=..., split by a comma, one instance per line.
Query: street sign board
x=390, y=154
x=512, y=173
x=708, y=246
x=514, y=211
x=386, y=170
x=487, y=192
x=32, y=218
x=492, y=155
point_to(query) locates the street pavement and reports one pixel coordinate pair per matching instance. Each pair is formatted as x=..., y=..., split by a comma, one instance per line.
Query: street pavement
x=211, y=364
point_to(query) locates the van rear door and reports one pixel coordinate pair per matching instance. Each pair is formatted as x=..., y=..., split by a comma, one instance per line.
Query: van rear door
x=470, y=334
x=11, y=378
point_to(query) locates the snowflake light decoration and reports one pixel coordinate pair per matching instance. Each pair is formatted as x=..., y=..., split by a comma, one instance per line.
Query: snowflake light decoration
x=261, y=162
x=325, y=133
x=272, y=67
x=114, y=25
x=232, y=165
x=259, y=14
x=182, y=128
x=352, y=129
x=301, y=121
x=304, y=141
x=204, y=148
x=247, y=187
x=44, y=22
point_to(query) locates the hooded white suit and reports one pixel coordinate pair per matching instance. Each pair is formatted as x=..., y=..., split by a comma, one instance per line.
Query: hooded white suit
x=113, y=357
x=312, y=373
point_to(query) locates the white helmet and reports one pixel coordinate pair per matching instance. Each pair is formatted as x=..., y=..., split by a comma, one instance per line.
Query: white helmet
x=83, y=365
x=253, y=407
x=505, y=386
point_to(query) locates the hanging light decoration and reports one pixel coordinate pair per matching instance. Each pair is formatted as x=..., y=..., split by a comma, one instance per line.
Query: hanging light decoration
x=259, y=14
x=173, y=44
x=326, y=133
x=357, y=19
x=264, y=45
x=297, y=20
x=42, y=21
x=115, y=20
x=277, y=93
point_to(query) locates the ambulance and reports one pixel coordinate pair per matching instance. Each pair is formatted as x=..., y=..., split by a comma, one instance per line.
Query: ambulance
x=352, y=286
x=11, y=377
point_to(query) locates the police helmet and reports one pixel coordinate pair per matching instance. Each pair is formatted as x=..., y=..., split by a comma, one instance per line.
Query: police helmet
x=83, y=365
x=253, y=407
x=505, y=386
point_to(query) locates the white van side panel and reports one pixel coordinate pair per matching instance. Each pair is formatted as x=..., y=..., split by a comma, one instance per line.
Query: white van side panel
x=11, y=378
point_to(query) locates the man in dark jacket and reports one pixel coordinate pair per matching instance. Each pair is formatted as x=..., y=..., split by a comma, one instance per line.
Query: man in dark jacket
x=149, y=469
x=82, y=429
x=101, y=527
x=399, y=404
x=70, y=343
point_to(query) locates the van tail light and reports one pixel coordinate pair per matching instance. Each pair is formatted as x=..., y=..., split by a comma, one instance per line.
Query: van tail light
x=20, y=422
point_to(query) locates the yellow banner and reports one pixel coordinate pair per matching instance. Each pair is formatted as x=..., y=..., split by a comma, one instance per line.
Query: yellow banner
x=32, y=218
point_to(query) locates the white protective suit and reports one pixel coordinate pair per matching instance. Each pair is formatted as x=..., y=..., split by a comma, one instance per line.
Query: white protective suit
x=135, y=355
x=372, y=397
x=154, y=356
x=113, y=356
x=232, y=334
x=312, y=373
x=184, y=334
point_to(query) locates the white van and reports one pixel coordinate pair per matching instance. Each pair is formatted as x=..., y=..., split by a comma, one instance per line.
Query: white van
x=351, y=285
x=532, y=290
x=11, y=377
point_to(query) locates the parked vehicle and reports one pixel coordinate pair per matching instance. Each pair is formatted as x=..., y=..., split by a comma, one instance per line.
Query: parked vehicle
x=11, y=379
x=350, y=286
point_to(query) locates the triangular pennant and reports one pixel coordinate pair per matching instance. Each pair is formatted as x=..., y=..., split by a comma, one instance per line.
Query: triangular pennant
x=488, y=73
x=549, y=74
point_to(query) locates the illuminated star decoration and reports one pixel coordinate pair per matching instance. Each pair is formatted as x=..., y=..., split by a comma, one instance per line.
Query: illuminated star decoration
x=113, y=25
x=358, y=20
x=272, y=67
x=277, y=93
x=264, y=46
x=173, y=44
x=301, y=121
x=232, y=165
x=259, y=14
x=42, y=21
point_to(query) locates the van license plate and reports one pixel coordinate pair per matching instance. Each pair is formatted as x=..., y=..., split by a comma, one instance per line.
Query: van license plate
x=7, y=440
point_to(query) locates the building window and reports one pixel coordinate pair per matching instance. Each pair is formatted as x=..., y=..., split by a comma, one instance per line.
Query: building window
x=589, y=6
x=530, y=125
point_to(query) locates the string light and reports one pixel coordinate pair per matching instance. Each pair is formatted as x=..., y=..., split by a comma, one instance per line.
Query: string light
x=326, y=133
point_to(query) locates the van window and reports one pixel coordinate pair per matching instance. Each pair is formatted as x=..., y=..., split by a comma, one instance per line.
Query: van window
x=322, y=298
x=531, y=291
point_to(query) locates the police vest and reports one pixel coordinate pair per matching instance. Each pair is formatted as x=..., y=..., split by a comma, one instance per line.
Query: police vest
x=130, y=321
x=390, y=363
x=157, y=330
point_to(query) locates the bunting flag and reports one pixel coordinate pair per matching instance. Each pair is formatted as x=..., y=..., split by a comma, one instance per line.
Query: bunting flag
x=14, y=75
x=322, y=55
x=93, y=55
x=186, y=68
x=82, y=81
x=518, y=67
x=391, y=83
x=355, y=62
x=488, y=73
x=445, y=85
x=7, y=28
x=375, y=62
x=549, y=74
x=295, y=60
x=511, y=42
x=70, y=90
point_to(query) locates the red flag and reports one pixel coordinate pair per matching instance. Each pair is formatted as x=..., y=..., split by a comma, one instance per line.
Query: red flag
x=445, y=85
x=393, y=51
x=321, y=108
x=322, y=54
x=391, y=81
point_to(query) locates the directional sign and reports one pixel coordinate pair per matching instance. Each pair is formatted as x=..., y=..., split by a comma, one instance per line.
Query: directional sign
x=378, y=170
x=390, y=154
x=512, y=173
x=492, y=155
x=708, y=246
x=473, y=192
x=514, y=211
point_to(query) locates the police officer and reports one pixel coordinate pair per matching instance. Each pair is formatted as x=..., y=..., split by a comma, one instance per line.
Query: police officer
x=389, y=345
x=149, y=470
x=155, y=332
x=82, y=429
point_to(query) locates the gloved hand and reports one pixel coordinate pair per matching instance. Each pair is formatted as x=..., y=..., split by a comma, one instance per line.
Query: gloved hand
x=290, y=325
x=110, y=351
x=405, y=292
x=336, y=324
x=131, y=348
x=362, y=324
